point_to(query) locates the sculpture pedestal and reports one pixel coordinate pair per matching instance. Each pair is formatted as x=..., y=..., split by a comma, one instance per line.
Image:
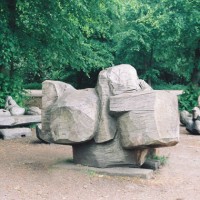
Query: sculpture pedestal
x=107, y=154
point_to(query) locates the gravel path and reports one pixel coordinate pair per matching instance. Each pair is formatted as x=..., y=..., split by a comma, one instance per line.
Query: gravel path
x=28, y=172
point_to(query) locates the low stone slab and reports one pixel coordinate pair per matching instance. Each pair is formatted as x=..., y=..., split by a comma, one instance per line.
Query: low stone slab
x=13, y=133
x=131, y=172
x=6, y=120
x=113, y=171
x=19, y=120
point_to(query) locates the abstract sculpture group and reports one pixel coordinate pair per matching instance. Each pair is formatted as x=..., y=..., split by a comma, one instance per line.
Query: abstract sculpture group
x=115, y=124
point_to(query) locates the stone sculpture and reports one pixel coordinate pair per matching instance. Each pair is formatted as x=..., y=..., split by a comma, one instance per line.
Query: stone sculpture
x=191, y=120
x=14, y=122
x=115, y=124
x=13, y=108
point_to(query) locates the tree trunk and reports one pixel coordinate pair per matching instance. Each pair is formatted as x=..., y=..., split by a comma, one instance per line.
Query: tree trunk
x=148, y=65
x=196, y=73
x=12, y=15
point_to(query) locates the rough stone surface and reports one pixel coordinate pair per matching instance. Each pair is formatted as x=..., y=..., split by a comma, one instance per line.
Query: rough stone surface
x=157, y=126
x=196, y=127
x=51, y=90
x=39, y=134
x=191, y=120
x=13, y=133
x=19, y=120
x=33, y=111
x=106, y=128
x=123, y=78
x=107, y=154
x=137, y=101
x=4, y=113
x=73, y=117
x=114, y=81
x=186, y=119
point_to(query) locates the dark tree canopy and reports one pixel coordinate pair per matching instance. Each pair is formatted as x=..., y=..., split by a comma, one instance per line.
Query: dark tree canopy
x=72, y=40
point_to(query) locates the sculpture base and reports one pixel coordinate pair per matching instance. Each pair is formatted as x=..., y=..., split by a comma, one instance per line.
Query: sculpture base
x=108, y=154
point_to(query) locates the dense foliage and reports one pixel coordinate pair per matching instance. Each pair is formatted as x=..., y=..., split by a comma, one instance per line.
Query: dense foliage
x=162, y=39
x=55, y=39
x=189, y=99
x=72, y=40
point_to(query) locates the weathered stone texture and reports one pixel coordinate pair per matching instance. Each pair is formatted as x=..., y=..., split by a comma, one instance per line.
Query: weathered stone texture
x=137, y=101
x=156, y=127
x=13, y=133
x=107, y=154
x=33, y=111
x=51, y=90
x=7, y=121
x=191, y=121
x=73, y=117
x=19, y=120
x=114, y=81
x=122, y=78
x=106, y=128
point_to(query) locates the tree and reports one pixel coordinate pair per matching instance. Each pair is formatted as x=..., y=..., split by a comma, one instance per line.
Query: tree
x=55, y=39
x=161, y=38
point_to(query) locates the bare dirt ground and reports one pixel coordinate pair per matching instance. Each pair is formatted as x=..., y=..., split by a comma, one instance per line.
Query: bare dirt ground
x=27, y=171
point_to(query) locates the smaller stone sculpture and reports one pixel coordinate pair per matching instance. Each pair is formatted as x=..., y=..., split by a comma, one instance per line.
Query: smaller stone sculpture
x=13, y=107
x=191, y=120
x=14, y=122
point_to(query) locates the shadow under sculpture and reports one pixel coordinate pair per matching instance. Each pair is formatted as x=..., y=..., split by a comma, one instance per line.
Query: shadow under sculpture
x=115, y=124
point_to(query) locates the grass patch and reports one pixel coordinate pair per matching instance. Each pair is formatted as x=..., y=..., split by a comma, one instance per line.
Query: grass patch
x=69, y=160
x=90, y=172
x=163, y=159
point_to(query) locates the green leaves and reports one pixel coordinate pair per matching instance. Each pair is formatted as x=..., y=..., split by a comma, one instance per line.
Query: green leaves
x=54, y=39
x=11, y=87
x=162, y=37
x=189, y=99
x=59, y=39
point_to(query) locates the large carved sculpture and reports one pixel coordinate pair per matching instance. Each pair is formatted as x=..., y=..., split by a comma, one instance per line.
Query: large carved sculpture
x=115, y=124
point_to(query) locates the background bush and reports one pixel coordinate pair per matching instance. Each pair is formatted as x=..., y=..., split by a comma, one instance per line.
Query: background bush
x=189, y=99
x=11, y=87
